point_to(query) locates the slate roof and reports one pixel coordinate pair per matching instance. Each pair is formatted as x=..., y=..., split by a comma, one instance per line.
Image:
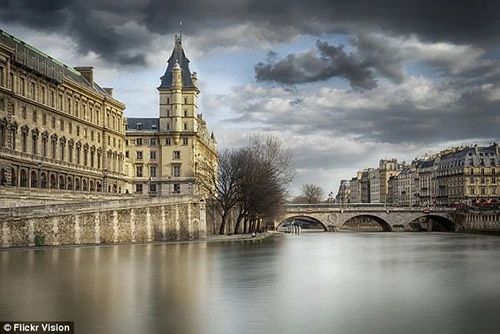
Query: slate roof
x=179, y=56
x=143, y=124
x=42, y=63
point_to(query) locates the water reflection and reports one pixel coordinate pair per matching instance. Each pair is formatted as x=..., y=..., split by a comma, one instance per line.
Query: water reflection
x=308, y=283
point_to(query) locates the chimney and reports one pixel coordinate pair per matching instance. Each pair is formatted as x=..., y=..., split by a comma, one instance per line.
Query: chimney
x=109, y=91
x=87, y=72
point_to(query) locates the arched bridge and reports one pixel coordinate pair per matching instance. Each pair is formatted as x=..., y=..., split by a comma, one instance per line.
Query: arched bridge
x=334, y=218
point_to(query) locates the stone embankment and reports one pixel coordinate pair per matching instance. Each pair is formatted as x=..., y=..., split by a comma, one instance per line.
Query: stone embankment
x=135, y=220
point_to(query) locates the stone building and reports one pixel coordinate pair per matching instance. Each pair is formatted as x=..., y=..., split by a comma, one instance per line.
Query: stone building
x=469, y=175
x=374, y=177
x=387, y=168
x=365, y=186
x=405, y=187
x=58, y=128
x=355, y=188
x=343, y=195
x=426, y=180
x=165, y=154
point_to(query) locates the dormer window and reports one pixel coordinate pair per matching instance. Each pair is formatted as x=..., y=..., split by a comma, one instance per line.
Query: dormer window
x=153, y=126
x=139, y=126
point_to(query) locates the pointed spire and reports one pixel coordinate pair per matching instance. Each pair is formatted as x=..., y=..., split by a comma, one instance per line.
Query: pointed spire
x=178, y=35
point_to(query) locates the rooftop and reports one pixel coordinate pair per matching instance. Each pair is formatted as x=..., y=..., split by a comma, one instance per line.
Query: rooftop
x=143, y=124
x=40, y=62
x=178, y=56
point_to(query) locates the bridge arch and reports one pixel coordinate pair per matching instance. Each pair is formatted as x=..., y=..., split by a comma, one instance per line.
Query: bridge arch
x=432, y=223
x=386, y=227
x=302, y=218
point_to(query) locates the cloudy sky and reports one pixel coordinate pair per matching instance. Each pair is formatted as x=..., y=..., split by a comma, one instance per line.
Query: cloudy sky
x=343, y=83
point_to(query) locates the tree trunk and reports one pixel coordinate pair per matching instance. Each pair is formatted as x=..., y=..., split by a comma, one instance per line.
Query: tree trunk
x=222, y=228
x=245, y=225
x=238, y=222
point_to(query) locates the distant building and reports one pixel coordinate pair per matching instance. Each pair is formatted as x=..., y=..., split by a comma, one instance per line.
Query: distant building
x=469, y=175
x=355, y=188
x=365, y=185
x=387, y=168
x=343, y=195
x=374, y=177
x=426, y=180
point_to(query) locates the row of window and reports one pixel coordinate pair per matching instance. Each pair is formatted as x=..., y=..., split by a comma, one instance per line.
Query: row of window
x=139, y=171
x=53, y=99
x=152, y=188
x=60, y=148
x=154, y=141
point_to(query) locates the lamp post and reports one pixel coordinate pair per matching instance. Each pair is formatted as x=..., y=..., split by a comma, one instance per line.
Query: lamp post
x=330, y=197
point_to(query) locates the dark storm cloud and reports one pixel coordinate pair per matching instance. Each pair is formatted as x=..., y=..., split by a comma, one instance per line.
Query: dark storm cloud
x=98, y=26
x=326, y=62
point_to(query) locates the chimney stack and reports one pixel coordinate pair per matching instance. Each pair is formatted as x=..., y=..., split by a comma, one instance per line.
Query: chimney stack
x=87, y=72
x=109, y=91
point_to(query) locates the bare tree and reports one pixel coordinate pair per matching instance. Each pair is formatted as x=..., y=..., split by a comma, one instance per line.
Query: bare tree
x=312, y=193
x=252, y=179
x=221, y=182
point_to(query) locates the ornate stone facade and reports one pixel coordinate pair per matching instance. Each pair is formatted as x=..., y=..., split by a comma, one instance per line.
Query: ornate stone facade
x=58, y=128
x=164, y=154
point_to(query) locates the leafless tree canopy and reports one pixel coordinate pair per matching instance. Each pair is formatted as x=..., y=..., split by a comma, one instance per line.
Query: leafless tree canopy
x=312, y=193
x=252, y=179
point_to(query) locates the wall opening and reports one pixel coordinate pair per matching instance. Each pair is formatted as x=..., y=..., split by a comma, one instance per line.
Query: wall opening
x=366, y=223
x=432, y=223
x=308, y=224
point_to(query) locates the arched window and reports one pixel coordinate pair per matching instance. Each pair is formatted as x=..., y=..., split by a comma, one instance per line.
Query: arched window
x=70, y=183
x=99, y=186
x=52, y=181
x=92, y=185
x=77, y=184
x=84, y=185
x=24, y=178
x=34, y=179
x=61, y=182
x=13, y=177
x=43, y=180
x=115, y=189
x=3, y=177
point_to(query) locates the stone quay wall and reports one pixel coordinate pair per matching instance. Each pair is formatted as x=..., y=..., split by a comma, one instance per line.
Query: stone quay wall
x=479, y=221
x=137, y=220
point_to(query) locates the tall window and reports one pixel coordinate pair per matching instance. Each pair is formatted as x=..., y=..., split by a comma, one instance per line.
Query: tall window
x=176, y=155
x=139, y=155
x=138, y=171
x=152, y=171
x=32, y=90
x=24, y=141
x=185, y=141
x=152, y=155
x=176, y=170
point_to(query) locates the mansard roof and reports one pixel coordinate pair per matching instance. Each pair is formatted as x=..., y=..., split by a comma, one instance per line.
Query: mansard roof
x=143, y=124
x=43, y=64
x=178, y=55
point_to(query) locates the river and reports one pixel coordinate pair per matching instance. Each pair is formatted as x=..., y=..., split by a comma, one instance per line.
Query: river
x=308, y=283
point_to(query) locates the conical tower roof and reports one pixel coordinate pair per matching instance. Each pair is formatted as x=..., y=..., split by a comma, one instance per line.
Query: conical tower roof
x=178, y=56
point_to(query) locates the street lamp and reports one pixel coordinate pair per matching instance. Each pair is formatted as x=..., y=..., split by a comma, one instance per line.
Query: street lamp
x=330, y=197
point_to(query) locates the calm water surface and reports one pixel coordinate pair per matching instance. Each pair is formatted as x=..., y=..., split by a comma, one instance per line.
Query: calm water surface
x=312, y=283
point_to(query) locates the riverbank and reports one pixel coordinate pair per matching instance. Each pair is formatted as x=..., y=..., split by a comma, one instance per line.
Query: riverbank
x=240, y=237
x=212, y=238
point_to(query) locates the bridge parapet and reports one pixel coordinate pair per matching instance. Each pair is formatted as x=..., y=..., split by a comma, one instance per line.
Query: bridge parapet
x=333, y=217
